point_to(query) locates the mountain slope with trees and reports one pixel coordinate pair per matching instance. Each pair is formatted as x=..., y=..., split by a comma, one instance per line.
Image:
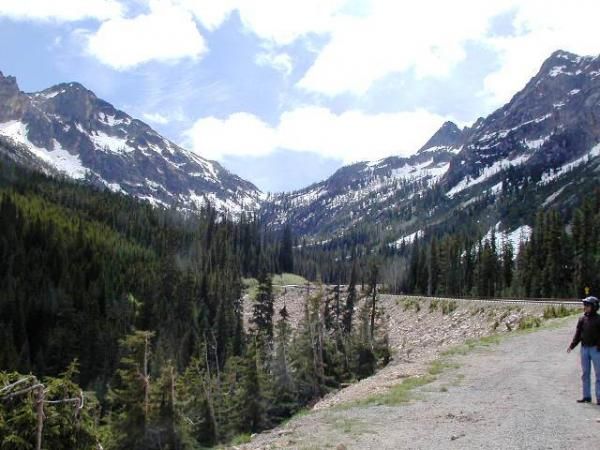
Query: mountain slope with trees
x=141, y=307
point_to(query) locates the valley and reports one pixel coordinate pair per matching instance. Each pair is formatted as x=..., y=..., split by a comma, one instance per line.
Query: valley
x=190, y=310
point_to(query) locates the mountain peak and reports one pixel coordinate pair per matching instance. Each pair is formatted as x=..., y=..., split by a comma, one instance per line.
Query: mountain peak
x=563, y=62
x=8, y=86
x=447, y=136
x=563, y=54
x=68, y=127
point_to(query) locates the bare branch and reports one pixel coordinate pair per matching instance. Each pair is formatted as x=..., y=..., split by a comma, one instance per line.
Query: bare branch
x=21, y=381
x=23, y=391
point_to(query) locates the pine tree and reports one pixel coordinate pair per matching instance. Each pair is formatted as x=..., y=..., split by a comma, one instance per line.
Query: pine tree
x=286, y=401
x=262, y=312
x=286, y=255
x=130, y=396
x=351, y=299
x=507, y=265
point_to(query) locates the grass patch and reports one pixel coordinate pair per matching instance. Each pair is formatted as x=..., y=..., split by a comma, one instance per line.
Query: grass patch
x=553, y=311
x=349, y=425
x=241, y=439
x=440, y=365
x=470, y=344
x=289, y=278
x=528, y=322
x=396, y=395
x=449, y=306
x=446, y=306
x=411, y=303
x=298, y=414
x=250, y=287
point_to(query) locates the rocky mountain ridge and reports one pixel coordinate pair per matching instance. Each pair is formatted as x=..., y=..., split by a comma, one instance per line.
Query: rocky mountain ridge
x=535, y=151
x=67, y=129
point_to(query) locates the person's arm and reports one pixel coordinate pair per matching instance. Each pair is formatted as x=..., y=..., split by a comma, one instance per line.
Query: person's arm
x=577, y=337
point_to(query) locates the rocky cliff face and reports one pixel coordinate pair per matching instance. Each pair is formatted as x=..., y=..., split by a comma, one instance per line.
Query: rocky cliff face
x=554, y=120
x=69, y=129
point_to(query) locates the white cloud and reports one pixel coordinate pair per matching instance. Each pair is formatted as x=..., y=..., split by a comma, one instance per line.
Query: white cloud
x=156, y=118
x=279, y=21
x=210, y=13
x=350, y=136
x=541, y=28
x=167, y=33
x=281, y=62
x=428, y=37
x=60, y=10
x=239, y=134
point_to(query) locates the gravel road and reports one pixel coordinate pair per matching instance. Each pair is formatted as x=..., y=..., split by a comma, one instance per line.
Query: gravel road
x=519, y=394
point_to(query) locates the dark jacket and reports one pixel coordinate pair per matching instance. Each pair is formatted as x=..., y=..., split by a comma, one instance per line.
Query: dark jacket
x=588, y=331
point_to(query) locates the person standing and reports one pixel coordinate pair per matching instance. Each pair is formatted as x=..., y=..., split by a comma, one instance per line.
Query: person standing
x=588, y=333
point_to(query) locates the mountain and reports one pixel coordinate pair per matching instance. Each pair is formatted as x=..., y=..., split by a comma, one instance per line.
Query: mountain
x=540, y=149
x=67, y=129
x=547, y=127
x=371, y=189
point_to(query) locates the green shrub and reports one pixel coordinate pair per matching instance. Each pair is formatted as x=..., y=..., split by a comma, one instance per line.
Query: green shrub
x=553, y=311
x=448, y=306
x=411, y=303
x=529, y=322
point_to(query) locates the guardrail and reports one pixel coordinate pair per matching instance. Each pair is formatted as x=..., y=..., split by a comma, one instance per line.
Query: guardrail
x=532, y=300
x=538, y=301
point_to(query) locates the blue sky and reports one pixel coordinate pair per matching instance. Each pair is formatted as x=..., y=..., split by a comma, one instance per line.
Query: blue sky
x=284, y=92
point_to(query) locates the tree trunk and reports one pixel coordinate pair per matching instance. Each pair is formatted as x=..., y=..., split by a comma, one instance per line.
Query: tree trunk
x=39, y=409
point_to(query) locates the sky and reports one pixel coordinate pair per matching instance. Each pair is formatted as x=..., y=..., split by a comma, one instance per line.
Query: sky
x=284, y=92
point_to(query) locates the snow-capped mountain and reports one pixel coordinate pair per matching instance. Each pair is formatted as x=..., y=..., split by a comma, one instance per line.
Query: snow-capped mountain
x=67, y=129
x=538, y=150
x=365, y=189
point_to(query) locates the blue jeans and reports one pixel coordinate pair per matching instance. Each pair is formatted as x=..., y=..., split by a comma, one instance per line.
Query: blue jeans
x=590, y=355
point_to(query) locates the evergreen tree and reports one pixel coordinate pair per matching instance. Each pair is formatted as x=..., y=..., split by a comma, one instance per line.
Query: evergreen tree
x=286, y=255
x=351, y=300
x=130, y=396
x=262, y=311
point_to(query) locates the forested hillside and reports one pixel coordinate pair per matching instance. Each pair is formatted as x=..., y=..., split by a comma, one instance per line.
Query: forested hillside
x=141, y=308
x=558, y=257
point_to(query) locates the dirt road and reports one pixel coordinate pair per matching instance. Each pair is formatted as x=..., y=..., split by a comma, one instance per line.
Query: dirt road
x=519, y=394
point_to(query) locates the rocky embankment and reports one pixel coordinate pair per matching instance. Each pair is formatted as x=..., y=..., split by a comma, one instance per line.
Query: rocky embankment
x=419, y=330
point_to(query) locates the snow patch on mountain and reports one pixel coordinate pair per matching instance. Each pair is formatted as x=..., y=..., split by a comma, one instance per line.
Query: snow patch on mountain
x=105, y=142
x=112, y=121
x=58, y=157
x=535, y=144
x=553, y=196
x=515, y=237
x=420, y=170
x=553, y=174
x=486, y=173
x=408, y=239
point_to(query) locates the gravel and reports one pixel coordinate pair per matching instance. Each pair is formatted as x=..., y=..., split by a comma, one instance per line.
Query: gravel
x=517, y=394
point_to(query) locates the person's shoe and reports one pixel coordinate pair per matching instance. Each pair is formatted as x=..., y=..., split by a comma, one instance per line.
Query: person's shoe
x=584, y=400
